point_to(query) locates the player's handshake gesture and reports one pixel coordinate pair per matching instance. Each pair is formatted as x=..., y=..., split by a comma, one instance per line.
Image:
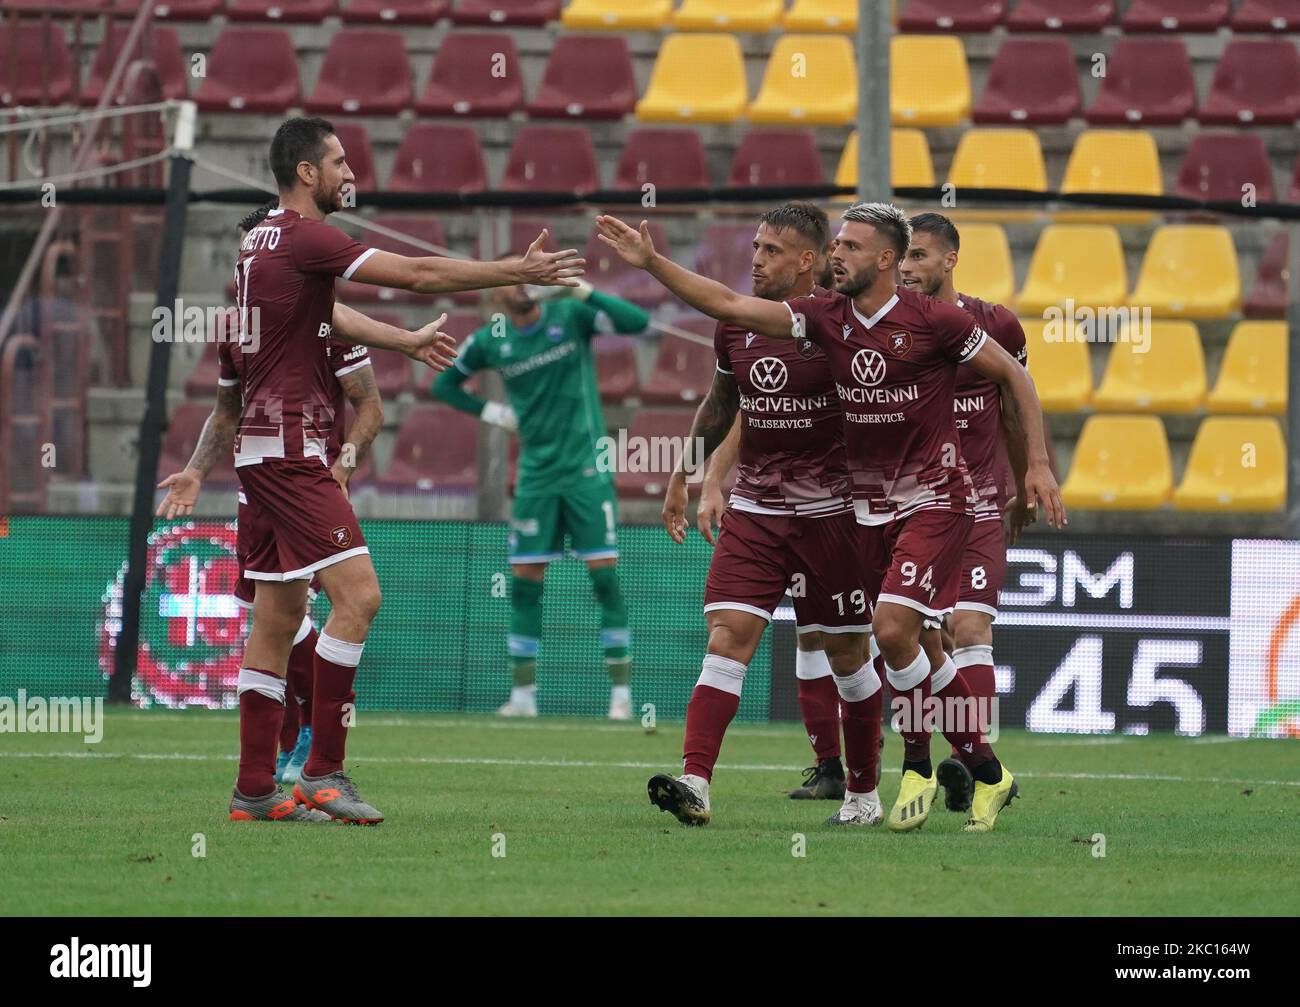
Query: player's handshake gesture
x=549, y=269
x=635, y=247
x=433, y=347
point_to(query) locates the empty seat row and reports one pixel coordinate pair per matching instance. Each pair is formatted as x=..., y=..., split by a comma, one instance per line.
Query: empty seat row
x=414, y=12
x=1094, y=15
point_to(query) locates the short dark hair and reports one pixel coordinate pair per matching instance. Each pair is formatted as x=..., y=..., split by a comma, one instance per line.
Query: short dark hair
x=887, y=219
x=251, y=220
x=803, y=218
x=297, y=140
x=940, y=226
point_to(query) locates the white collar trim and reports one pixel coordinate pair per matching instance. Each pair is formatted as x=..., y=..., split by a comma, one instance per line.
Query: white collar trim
x=884, y=310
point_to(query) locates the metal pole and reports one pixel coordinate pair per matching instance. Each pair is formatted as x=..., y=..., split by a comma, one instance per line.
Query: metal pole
x=1293, y=381
x=874, y=30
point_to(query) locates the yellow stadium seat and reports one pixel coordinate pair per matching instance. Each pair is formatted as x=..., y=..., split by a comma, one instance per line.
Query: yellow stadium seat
x=998, y=159
x=696, y=78
x=1112, y=161
x=909, y=159
x=1158, y=368
x=727, y=15
x=984, y=264
x=1189, y=271
x=623, y=15
x=1253, y=372
x=809, y=79
x=1236, y=464
x=1120, y=463
x=929, y=82
x=1059, y=364
x=822, y=15
x=1083, y=264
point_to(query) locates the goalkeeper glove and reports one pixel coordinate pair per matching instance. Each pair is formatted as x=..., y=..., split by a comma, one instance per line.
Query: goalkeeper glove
x=581, y=292
x=500, y=415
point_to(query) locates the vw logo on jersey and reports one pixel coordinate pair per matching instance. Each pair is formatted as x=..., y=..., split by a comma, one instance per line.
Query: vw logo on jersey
x=768, y=374
x=868, y=367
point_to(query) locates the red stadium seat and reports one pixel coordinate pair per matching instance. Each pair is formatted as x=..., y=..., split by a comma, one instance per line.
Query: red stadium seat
x=951, y=15
x=1268, y=298
x=616, y=375
x=423, y=226
x=667, y=158
x=551, y=159
x=1293, y=193
x=183, y=436
x=684, y=369
x=365, y=73
x=40, y=76
x=295, y=11
x=586, y=77
x=1031, y=81
x=1217, y=165
x=1256, y=81
x=360, y=155
x=63, y=6
x=175, y=10
x=1267, y=15
x=1147, y=82
x=612, y=275
x=1070, y=16
x=726, y=254
x=164, y=49
x=514, y=12
x=474, y=73
x=1176, y=15
x=662, y=434
x=435, y=158
x=776, y=157
x=436, y=449
x=394, y=11
x=392, y=369
x=250, y=70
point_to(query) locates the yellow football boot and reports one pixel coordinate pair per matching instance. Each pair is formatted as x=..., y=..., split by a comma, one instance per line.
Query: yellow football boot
x=915, y=796
x=989, y=799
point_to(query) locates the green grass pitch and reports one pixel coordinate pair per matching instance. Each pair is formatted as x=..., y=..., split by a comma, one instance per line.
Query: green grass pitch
x=1190, y=827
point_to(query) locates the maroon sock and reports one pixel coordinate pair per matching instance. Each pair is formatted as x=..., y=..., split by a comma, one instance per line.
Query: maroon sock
x=916, y=740
x=819, y=702
x=983, y=684
x=289, y=722
x=333, y=691
x=707, y=716
x=259, y=727
x=862, y=742
x=302, y=671
x=964, y=735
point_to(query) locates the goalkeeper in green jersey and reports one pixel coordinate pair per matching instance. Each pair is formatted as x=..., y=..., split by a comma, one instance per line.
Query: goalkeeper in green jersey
x=539, y=340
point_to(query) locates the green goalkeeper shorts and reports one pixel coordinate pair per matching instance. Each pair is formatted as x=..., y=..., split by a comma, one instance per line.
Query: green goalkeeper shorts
x=539, y=523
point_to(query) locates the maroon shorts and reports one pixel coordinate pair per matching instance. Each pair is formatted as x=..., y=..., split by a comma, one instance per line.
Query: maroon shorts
x=245, y=588
x=296, y=521
x=983, y=568
x=916, y=561
x=759, y=556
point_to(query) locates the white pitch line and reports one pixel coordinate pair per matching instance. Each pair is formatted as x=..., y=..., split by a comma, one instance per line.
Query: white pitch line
x=429, y=760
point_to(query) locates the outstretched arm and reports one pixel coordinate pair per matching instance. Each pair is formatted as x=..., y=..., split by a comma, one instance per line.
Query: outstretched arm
x=712, y=422
x=432, y=274
x=216, y=440
x=429, y=345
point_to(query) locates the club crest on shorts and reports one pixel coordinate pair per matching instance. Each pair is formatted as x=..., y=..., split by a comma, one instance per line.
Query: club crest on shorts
x=341, y=536
x=900, y=343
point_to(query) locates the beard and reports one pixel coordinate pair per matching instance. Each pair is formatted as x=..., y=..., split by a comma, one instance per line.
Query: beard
x=855, y=283
x=326, y=201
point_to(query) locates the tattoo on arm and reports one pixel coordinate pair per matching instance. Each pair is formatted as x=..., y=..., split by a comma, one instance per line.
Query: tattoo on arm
x=363, y=392
x=716, y=413
x=218, y=437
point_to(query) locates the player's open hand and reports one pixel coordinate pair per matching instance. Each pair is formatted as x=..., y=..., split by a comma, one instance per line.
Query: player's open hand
x=550, y=269
x=674, y=513
x=709, y=513
x=341, y=476
x=1041, y=490
x=433, y=347
x=634, y=247
x=182, y=494
x=1019, y=517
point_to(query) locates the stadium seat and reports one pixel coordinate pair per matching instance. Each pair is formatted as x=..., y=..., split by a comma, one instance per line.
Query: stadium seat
x=511, y=12
x=909, y=159
x=1218, y=166
x=1162, y=372
x=360, y=154
x=726, y=254
x=174, y=10
x=422, y=226
x=586, y=77
x=611, y=275
x=616, y=375
x=297, y=11
x=250, y=70
x=425, y=12
x=1147, y=81
x=474, y=73
x=617, y=15
x=822, y=15
x=1253, y=371
x=182, y=437
x=1112, y=161
x=727, y=15
x=1176, y=15
x=1120, y=463
x=999, y=159
x=365, y=72
x=984, y=264
x=1293, y=191
x=436, y=450
x=955, y=16
x=1236, y=464
x=37, y=78
x=697, y=78
x=1069, y=16
x=683, y=369
x=437, y=158
x=1079, y=263
x=664, y=433
x=929, y=81
x=776, y=157
x=1268, y=297
x=1267, y=15
x=164, y=49
x=1031, y=81
x=809, y=79
x=1060, y=365
x=1256, y=81
x=667, y=158
x=551, y=159
x=1189, y=271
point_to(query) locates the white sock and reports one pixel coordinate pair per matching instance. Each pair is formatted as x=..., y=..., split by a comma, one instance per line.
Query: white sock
x=811, y=664
x=620, y=694
x=524, y=695
x=260, y=682
x=871, y=796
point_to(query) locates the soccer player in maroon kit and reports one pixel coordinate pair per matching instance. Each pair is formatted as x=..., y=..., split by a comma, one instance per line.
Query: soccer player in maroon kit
x=894, y=356
x=790, y=522
x=284, y=279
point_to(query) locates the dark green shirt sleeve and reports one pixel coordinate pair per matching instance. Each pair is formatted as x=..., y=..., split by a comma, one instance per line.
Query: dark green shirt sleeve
x=447, y=385
x=626, y=317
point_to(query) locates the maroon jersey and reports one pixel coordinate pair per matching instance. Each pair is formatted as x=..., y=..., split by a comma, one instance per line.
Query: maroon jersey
x=284, y=283
x=977, y=403
x=895, y=373
x=791, y=459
